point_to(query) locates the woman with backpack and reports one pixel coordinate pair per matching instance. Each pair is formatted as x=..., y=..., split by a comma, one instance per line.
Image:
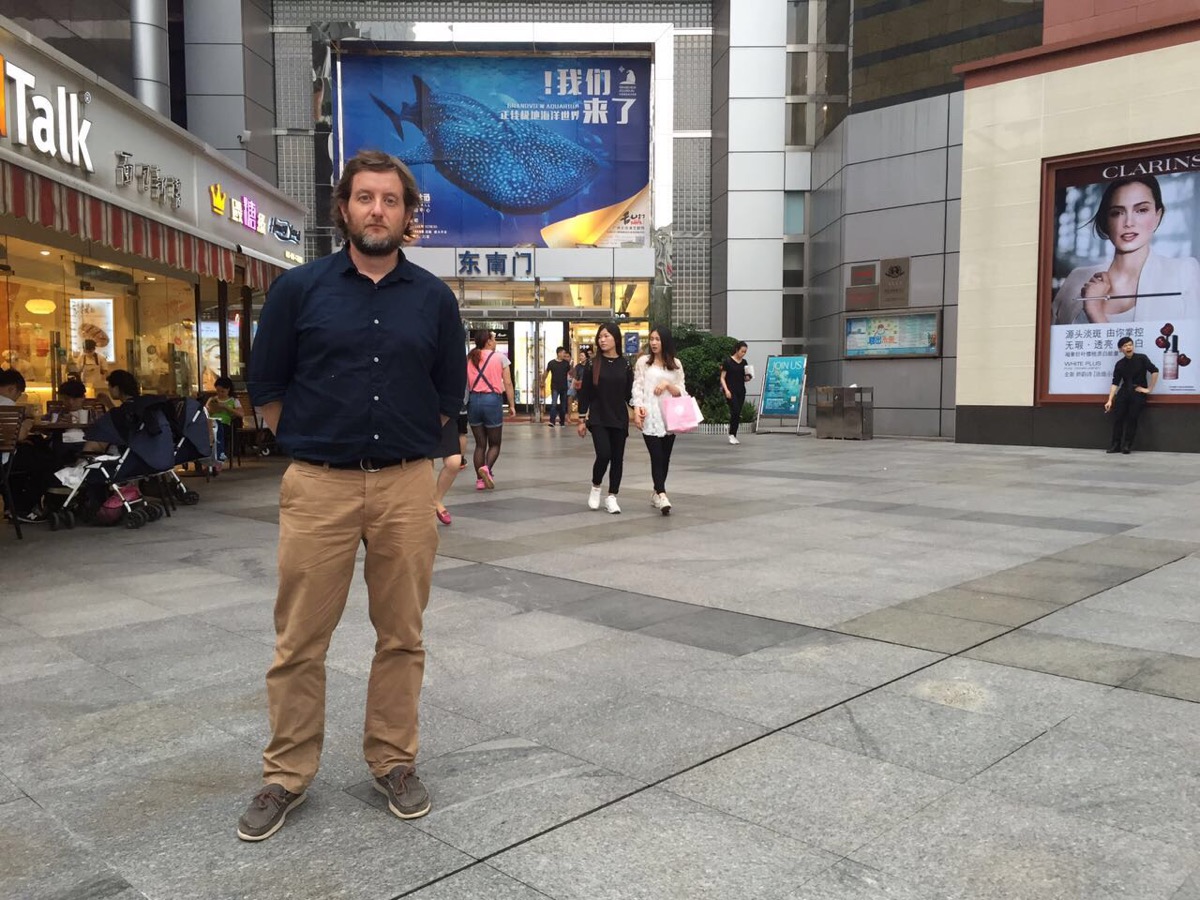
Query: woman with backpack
x=489, y=380
x=604, y=410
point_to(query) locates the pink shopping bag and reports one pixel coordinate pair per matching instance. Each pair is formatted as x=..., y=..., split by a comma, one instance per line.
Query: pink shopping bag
x=681, y=414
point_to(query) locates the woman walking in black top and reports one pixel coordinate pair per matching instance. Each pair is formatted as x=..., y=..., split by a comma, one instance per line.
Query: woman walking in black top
x=733, y=382
x=604, y=394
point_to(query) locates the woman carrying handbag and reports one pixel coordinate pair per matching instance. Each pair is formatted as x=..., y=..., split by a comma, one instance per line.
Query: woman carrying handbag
x=657, y=376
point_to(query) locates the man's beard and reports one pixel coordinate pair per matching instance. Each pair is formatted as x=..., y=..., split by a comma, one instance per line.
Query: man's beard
x=375, y=246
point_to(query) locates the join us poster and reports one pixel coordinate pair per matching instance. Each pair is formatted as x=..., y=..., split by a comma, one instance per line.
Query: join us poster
x=546, y=151
x=1126, y=234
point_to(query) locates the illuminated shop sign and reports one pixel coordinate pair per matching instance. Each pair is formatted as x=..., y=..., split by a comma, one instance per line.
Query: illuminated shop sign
x=245, y=211
x=53, y=127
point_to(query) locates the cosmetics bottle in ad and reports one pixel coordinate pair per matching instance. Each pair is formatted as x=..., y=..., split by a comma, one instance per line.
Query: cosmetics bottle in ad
x=1170, y=366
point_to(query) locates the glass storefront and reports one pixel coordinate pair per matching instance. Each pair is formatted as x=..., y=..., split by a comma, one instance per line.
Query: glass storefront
x=56, y=305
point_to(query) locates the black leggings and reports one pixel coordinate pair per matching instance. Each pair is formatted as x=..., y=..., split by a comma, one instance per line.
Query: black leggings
x=660, y=459
x=610, y=454
x=736, y=402
x=487, y=446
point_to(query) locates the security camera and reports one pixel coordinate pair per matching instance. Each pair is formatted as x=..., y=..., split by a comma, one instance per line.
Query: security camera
x=244, y=137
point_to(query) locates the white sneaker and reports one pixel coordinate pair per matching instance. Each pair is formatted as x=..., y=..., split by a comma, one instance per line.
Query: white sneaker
x=664, y=504
x=594, y=498
x=610, y=504
x=654, y=500
x=733, y=440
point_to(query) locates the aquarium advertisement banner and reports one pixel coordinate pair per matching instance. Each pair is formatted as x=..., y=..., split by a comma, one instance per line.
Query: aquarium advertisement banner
x=1125, y=236
x=512, y=150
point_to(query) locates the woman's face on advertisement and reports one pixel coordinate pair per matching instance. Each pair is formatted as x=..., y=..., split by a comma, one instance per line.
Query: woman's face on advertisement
x=1132, y=217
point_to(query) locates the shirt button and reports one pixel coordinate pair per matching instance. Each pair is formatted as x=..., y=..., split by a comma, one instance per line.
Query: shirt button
x=376, y=359
x=376, y=321
x=376, y=437
x=376, y=397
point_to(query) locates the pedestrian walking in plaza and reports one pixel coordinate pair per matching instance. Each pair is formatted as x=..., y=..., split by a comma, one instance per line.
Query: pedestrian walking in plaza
x=489, y=379
x=656, y=374
x=733, y=384
x=357, y=364
x=559, y=372
x=581, y=370
x=605, y=395
x=1130, y=390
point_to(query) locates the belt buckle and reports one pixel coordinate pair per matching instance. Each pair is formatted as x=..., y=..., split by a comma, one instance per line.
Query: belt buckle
x=364, y=464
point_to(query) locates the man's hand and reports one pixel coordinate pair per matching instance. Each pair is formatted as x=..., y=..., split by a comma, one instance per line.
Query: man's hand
x=1108, y=404
x=582, y=428
x=1141, y=390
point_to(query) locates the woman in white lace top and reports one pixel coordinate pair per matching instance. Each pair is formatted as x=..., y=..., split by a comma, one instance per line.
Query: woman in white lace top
x=657, y=373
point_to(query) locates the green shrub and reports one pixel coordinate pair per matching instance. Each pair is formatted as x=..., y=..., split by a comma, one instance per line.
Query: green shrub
x=701, y=354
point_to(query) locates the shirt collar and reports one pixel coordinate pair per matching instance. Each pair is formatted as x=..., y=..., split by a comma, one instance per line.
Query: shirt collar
x=402, y=272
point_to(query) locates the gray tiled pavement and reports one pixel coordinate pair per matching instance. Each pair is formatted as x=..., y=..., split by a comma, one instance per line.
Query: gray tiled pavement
x=894, y=670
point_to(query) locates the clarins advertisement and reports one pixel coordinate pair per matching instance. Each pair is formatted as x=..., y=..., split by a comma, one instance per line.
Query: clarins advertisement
x=541, y=151
x=1126, y=234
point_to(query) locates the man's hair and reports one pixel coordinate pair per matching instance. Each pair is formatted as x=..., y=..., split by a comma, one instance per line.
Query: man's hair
x=124, y=382
x=72, y=388
x=10, y=377
x=1123, y=341
x=376, y=161
x=225, y=382
x=561, y=350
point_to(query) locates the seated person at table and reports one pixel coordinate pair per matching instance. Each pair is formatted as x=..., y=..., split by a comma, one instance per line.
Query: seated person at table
x=32, y=465
x=71, y=394
x=124, y=388
x=223, y=408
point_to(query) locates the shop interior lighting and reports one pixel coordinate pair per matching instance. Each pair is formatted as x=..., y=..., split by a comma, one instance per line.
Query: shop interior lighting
x=44, y=252
x=39, y=306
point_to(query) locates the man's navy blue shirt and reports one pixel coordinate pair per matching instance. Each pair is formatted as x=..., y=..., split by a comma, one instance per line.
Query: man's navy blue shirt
x=363, y=369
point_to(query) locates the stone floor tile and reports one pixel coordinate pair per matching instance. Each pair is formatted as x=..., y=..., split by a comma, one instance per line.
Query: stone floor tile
x=771, y=698
x=628, y=662
x=491, y=795
x=36, y=657
x=656, y=846
x=1054, y=580
x=815, y=793
x=54, y=700
x=479, y=882
x=1032, y=697
x=621, y=609
x=1170, y=676
x=725, y=632
x=977, y=845
x=848, y=880
x=1128, y=550
x=1123, y=629
x=95, y=617
x=839, y=657
x=9, y=791
x=39, y=857
x=532, y=634
x=1166, y=593
x=925, y=631
x=939, y=740
x=1069, y=657
x=980, y=607
x=1139, y=721
x=526, y=590
x=645, y=736
x=1126, y=788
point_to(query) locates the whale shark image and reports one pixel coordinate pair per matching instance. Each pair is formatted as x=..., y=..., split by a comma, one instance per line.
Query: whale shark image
x=515, y=167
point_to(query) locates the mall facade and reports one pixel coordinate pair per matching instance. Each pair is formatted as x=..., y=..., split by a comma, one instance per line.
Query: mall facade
x=902, y=191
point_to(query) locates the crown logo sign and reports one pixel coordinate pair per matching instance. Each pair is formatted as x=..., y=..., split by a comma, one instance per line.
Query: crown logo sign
x=218, y=198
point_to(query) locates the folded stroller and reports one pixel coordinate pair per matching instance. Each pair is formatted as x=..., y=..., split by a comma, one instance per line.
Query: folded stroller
x=142, y=431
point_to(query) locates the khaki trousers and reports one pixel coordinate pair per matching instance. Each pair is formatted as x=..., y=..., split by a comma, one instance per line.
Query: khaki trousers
x=324, y=514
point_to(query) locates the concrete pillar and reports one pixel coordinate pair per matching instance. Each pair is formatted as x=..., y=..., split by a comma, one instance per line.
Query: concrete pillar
x=151, y=55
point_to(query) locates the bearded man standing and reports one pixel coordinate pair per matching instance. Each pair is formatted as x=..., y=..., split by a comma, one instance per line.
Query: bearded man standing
x=358, y=361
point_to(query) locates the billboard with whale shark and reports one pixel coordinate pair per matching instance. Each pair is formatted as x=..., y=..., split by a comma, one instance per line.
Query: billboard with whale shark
x=544, y=151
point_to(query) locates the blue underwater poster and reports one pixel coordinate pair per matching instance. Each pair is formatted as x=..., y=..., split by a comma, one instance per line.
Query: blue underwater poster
x=783, y=386
x=509, y=151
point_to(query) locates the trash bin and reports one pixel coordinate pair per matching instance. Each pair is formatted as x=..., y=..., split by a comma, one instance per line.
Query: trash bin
x=846, y=412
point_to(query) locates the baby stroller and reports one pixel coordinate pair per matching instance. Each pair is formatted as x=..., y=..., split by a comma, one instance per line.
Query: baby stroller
x=192, y=443
x=107, y=492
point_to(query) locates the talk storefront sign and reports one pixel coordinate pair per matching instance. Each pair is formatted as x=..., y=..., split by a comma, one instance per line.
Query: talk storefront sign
x=509, y=151
x=1119, y=258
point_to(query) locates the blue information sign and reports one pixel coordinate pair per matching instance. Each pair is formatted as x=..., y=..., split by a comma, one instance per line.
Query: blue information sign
x=783, y=387
x=508, y=151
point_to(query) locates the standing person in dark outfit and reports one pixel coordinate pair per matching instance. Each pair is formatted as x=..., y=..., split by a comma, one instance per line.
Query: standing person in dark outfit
x=357, y=365
x=559, y=370
x=1130, y=390
x=733, y=383
x=579, y=373
x=606, y=392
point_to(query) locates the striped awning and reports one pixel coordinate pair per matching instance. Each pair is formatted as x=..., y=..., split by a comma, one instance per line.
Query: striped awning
x=45, y=202
x=259, y=274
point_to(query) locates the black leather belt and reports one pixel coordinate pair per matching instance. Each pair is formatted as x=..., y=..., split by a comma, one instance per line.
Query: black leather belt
x=366, y=465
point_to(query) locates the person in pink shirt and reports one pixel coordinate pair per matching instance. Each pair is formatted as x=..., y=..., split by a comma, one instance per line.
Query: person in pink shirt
x=489, y=380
